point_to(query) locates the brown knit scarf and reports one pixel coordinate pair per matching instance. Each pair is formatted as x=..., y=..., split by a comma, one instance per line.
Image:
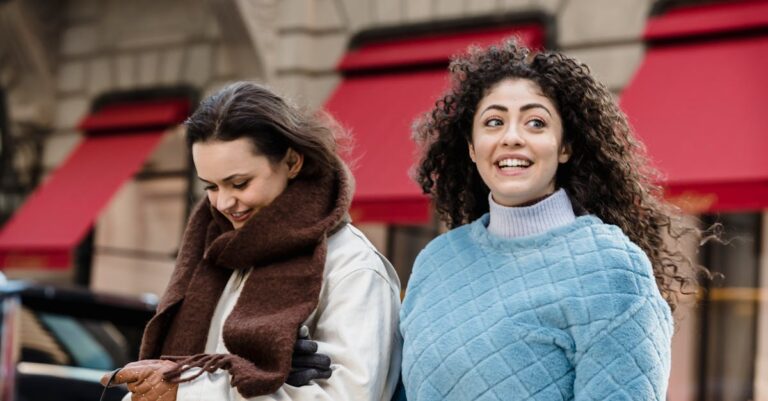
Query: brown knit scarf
x=285, y=243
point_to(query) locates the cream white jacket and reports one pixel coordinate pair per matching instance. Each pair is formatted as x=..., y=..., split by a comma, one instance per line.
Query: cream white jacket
x=355, y=324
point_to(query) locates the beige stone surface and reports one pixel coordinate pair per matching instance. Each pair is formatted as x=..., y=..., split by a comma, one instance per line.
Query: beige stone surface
x=329, y=14
x=126, y=67
x=613, y=65
x=69, y=111
x=310, y=15
x=145, y=215
x=358, y=14
x=294, y=50
x=310, y=92
x=237, y=61
x=71, y=76
x=224, y=65
x=294, y=13
x=376, y=233
x=236, y=52
x=148, y=23
x=79, y=40
x=387, y=12
x=418, y=10
x=99, y=75
x=171, y=154
x=130, y=276
x=149, y=68
x=198, y=64
x=481, y=6
x=449, y=8
x=290, y=85
x=550, y=6
x=171, y=65
x=259, y=24
x=598, y=21
x=328, y=51
x=303, y=52
x=319, y=89
x=57, y=147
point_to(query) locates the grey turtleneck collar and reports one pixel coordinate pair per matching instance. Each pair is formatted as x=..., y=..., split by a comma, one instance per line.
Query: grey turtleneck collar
x=512, y=222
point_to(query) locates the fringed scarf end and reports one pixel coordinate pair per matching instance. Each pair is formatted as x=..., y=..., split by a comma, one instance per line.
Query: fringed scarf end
x=206, y=362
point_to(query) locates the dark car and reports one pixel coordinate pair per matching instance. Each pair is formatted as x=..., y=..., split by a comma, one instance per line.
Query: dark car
x=57, y=342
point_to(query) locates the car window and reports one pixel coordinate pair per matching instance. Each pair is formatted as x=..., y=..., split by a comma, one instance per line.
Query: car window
x=86, y=351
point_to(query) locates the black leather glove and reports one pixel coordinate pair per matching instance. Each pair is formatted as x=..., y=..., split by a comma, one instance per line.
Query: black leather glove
x=307, y=364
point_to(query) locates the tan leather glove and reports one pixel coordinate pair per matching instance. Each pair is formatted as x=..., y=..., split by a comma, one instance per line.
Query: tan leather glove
x=145, y=380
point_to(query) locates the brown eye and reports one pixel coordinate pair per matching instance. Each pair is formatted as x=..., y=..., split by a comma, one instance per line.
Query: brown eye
x=240, y=185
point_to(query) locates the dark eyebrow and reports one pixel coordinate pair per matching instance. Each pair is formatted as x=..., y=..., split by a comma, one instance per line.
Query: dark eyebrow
x=230, y=178
x=535, y=106
x=495, y=107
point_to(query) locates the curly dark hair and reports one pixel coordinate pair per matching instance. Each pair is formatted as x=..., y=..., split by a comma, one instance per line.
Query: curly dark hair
x=608, y=174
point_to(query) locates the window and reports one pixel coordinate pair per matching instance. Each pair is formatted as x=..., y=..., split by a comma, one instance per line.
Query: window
x=729, y=311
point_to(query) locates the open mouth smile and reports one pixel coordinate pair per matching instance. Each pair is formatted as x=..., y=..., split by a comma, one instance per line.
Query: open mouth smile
x=239, y=216
x=513, y=164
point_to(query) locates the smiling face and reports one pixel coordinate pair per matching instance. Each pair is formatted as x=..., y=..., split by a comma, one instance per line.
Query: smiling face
x=517, y=136
x=239, y=182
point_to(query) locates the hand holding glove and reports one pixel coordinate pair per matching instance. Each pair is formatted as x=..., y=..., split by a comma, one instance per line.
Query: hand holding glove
x=307, y=364
x=145, y=380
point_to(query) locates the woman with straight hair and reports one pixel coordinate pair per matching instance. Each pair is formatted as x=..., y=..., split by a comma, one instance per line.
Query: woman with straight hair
x=555, y=281
x=269, y=250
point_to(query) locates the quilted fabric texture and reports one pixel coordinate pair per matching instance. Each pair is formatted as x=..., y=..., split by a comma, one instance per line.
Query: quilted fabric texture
x=571, y=314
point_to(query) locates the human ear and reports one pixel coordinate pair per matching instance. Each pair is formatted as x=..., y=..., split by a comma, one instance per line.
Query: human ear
x=471, y=152
x=565, y=153
x=294, y=160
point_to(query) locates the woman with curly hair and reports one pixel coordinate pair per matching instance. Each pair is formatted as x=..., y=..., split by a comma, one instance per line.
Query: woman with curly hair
x=554, y=282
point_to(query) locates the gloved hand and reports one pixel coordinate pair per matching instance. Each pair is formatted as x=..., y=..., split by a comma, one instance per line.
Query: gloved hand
x=145, y=380
x=307, y=364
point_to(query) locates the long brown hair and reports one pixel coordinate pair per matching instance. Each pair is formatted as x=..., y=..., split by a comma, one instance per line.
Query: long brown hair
x=250, y=110
x=608, y=174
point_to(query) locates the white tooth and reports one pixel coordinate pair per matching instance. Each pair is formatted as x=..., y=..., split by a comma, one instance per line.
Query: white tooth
x=514, y=163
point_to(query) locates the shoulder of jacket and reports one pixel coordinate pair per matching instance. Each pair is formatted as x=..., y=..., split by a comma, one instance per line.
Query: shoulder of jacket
x=349, y=251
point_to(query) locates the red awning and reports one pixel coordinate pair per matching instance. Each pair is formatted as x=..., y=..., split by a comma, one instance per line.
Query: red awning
x=379, y=108
x=700, y=108
x=55, y=218
x=433, y=49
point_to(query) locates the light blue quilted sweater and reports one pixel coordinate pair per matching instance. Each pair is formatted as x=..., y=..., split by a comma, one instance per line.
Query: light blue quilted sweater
x=569, y=314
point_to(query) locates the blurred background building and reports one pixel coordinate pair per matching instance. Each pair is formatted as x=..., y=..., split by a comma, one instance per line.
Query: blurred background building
x=96, y=182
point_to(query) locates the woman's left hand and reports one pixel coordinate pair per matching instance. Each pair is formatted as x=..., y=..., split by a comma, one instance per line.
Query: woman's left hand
x=145, y=380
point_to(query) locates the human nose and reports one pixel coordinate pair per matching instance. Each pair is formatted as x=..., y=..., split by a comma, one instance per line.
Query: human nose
x=512, y=137
x=224, y=201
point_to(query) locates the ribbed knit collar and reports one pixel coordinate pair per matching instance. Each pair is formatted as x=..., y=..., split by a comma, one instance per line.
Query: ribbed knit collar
x=513, y=222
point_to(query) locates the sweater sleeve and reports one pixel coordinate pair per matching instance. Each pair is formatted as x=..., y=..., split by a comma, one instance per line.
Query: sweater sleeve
x=356, y=328
x=629, y=357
